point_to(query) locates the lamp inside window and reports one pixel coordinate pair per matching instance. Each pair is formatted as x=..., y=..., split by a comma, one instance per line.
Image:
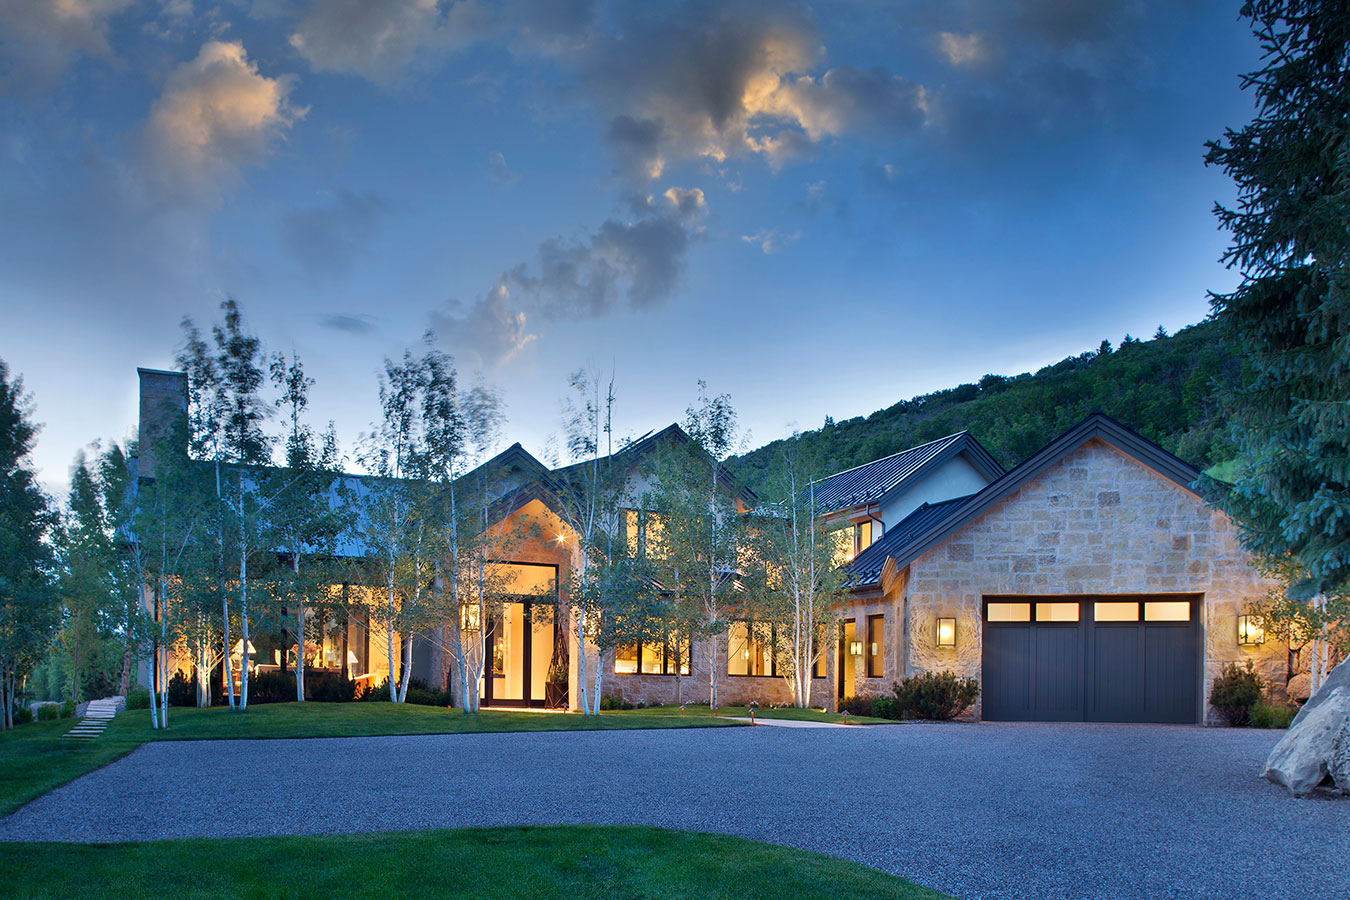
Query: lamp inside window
x=946, y=632
x=1251, y=631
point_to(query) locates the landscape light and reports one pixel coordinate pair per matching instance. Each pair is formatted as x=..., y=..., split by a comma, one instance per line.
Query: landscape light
x=946, y=632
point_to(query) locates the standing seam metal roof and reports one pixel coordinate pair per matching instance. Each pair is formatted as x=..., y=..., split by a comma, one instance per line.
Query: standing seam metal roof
x=866, y=567
x=866, y=483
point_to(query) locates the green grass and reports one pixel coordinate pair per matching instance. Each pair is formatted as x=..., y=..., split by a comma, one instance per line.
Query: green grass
x=564, y=862
x=35, y=759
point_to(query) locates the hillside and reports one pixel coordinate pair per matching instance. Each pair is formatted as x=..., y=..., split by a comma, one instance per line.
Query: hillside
x=1161, y=387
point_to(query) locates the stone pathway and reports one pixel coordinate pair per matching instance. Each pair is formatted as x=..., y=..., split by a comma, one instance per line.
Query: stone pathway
x=96, y=718
x=784, y=723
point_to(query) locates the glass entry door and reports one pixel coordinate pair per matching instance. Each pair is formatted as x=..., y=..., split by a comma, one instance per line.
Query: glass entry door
x=523, y=641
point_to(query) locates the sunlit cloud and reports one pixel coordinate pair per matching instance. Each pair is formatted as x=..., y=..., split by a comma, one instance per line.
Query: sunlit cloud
x=40, y=38
x=963, y=49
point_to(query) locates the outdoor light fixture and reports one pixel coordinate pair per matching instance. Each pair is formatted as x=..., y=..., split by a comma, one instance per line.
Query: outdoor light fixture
x=855, y=648
x=1251, y=631
x=874, y=648
x=946, y=633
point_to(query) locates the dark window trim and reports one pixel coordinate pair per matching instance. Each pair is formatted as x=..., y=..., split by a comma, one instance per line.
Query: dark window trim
x=880, y=656
x=669, y=667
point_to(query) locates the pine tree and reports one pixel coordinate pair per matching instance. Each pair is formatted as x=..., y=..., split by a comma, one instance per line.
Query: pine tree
x=1291, y=314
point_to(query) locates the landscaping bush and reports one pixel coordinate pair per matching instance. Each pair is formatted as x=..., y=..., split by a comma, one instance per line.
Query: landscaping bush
x=609, y=701
x=885, y=708
x=67, y=709
x=47, y=713
x=1234, y=692
x=1272, y=715
x=424, y=697
x=182, y=690
x=138, y=698
x=272, y=687
x=23, y=716
x=856, y=706
x=935, y=696
x=331, y=687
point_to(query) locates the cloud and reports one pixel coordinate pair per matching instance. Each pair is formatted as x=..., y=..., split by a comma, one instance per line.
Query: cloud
x=380, y=39
x=499, y=171
x=326, y=239
x=963, y=49
x=770, y=240
x=634, y=263
x=351, y=324
x=215, y=115
x=40, y=38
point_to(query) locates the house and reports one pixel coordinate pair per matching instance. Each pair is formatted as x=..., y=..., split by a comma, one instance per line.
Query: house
x=1089, y=583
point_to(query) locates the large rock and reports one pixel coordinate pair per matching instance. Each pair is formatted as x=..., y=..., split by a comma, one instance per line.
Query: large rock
x=1339, y=766
x=1300, y=760
x=1338, y=677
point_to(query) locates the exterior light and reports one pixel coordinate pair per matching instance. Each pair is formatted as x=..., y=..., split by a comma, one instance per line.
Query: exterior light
x=874, y=648
x=946, y=632
x=560, y=539
x=745, y=654
x=1251, y=631
x=855, y=648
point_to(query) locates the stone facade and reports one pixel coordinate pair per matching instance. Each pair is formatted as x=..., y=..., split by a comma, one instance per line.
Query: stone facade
x=1096, y=522
x=732, y=690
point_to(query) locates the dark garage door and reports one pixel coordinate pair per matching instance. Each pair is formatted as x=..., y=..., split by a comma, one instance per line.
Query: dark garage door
x=1092, y=658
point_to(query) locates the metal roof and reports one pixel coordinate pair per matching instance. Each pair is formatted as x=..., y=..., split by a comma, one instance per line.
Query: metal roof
x=866, y=567
x=870, y=482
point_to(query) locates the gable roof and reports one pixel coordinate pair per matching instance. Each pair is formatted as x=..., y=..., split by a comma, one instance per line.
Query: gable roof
x=1098, y=426
x=865, y=568
x=870, y=482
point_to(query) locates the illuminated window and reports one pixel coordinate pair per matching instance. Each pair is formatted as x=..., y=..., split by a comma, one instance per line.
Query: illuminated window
x=644, y=533
x=626, y=660
x=818, y=670
x=653, y=659
x=1115, y=611
x=1167, y=611
x=1008, y=612
x=749, y=653
x=874, y=649
x=1057, y=612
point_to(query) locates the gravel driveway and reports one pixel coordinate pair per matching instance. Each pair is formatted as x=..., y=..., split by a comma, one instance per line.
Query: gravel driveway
x=978, y=811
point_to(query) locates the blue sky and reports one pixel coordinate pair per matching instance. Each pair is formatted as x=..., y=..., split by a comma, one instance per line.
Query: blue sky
x=817, y=208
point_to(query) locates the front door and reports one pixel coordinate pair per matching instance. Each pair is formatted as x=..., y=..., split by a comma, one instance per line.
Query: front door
x=523, y=642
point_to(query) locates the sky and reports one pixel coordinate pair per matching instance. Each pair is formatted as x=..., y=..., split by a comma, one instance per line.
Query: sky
x=817, y=208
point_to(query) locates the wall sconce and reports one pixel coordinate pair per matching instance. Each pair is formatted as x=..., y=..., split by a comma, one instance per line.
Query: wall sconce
x=873, y=649
x=946, y=632
x=1251, y=631
x=855, y=648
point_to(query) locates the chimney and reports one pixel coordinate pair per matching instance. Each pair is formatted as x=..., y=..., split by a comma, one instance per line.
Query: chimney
x=163, y=404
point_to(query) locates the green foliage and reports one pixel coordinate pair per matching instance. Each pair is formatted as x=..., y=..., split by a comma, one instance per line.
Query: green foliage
x=1267, y=715
x=884, y=707
x=610, y=702
x=68, y=709
x=858, y=706
x=48, y=713
x=182, y=690
x=138, y=698
x=1290, y=316
x=23, y=716
x=1161, y=387
x=940, y=695
x=1235, y=692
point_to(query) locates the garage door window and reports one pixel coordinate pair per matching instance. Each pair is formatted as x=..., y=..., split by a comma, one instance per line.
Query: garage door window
x=1115, y=611
x=1167, y=611
x=1056, y=612
x=1008, y=612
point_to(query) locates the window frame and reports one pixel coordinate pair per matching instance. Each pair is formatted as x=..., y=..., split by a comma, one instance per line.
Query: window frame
x=880, y=640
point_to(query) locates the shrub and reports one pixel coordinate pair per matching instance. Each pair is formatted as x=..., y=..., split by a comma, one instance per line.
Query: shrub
x=331, y=687
x=425, y=697
x=271, y=687
x=1271, y=715
x=939, y=695
x=856, y=706
x=885, y=708
x=67, y=709
x=48, y=712
x=608, y=701
x=1235, y=692
x=182, y=690
x=23, y=716
x=138, y=698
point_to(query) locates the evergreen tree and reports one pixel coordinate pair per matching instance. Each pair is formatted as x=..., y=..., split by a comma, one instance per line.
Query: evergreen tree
x=1291, y=313
x=27, y=609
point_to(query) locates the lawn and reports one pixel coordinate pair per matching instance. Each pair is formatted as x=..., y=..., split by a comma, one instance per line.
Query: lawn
x=34, y=758
x=564, y=862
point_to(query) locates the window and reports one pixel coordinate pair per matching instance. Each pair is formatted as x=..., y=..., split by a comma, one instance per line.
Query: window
x=626, y=660
x=821, y=647
x=1008, y=612
x=852, y=540
x=875, y=646
x=644, y=532
x=653, y=659
x=1057, y=612
x=1167, y=611
x=748, y=653
x=1115, y=611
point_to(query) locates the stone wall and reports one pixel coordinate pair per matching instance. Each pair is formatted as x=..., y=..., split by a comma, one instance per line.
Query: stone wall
x=732, y=690
x=1096, y=522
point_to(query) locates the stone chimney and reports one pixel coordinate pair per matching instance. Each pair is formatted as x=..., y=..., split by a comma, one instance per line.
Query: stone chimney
x=163, y=402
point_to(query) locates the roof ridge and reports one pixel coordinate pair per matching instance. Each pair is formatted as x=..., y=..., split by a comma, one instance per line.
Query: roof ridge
x=954, y=434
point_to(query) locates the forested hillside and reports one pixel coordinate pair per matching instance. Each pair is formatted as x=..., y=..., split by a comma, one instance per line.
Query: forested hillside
x=1161, y=387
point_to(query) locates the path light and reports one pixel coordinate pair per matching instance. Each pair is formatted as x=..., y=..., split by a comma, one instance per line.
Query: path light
x=946, y=632
x=855, y=648
x=1251, y=631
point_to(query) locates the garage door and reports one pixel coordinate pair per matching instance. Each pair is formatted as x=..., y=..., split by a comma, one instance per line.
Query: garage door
x=1092, y=659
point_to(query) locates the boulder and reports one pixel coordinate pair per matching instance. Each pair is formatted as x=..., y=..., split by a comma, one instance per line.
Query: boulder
x=1300, y=760
x=1338, y=677
x=1339, y=765
x=1300, y=687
